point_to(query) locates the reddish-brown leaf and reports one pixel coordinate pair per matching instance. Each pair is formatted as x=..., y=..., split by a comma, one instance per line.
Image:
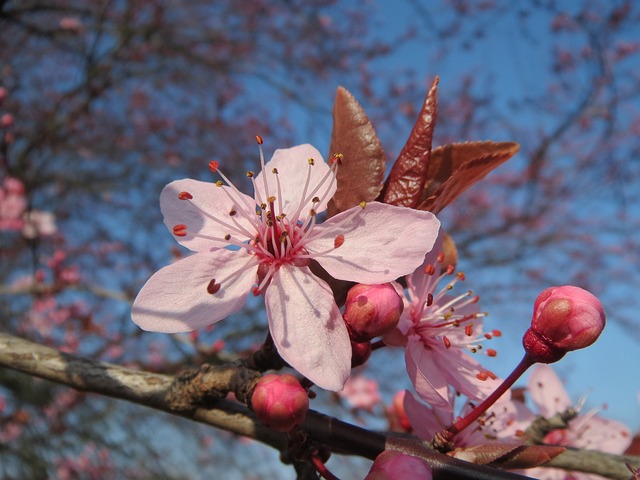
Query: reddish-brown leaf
x=457, y=166
x=507, y=455
x=528, y=456
x=409, y=172
x=361, y=172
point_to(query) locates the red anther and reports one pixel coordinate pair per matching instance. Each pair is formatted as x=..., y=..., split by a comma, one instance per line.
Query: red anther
x=259, y=139
x=180, y=230
x=213, y=287
x=185, y=196
x=496, y=333
x=447, y=342
x=488, y=336
x=461, y=276
x=491, y=352
x=476, y=299
x=338, y=241
x=482, y=376
x=429, y=269
x=213, y=166
x=429, y=299
x=440, y=257
x=492, y=375
x=519, y=433
x=468, y=329
x=255, y=291
x=450, y=269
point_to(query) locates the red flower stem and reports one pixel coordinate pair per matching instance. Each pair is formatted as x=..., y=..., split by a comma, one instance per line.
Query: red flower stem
x=322, y=469
x=462, y=423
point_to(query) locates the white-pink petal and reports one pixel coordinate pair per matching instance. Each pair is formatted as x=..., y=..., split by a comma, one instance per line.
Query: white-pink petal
x=307, y=327
x=207, y=213
x=427, y=378
x=425, y=421
x=175, y=299
x=381, y=242
x=297, y=180
x=547, y=392
x=461, y=369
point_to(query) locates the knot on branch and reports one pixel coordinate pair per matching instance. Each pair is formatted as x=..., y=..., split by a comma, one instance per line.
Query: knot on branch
x=199, y=387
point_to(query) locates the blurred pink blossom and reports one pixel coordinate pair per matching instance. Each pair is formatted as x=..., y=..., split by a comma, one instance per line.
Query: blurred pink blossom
x=361, y=392
x=588, y=430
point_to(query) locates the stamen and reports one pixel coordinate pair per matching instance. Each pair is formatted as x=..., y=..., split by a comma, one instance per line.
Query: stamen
x=429, y=269
x=213, y=166
x=180, y=230
x=259, y=139
x=213, y=287
x=185, y=196
x=468, y=330
x=491, y=352
x=232, y=212
x=447, y=342
x=429, y=299
x=338, y=241
x=337, y=159
x=496, y=333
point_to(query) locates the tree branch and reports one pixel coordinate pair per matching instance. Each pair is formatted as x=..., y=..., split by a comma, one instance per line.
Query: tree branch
x=157, y=391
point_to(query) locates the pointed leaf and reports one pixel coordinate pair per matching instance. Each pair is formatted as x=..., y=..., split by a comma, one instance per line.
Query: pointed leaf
x=484, y=453
x=457, y=166
x=528, y=456
x=361, y=172
x=409, y=172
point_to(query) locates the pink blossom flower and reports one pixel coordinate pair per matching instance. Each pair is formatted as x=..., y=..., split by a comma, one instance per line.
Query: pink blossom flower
x=587, y=430
x=439, y=331
x=361, y=392
x=274, y=237
x=505, y=421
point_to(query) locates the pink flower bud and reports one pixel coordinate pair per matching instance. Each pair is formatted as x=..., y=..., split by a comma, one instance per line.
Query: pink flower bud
x=371, y=311
x=360, y=353
x=564, y=319
x=280, y=402
x=394, y=465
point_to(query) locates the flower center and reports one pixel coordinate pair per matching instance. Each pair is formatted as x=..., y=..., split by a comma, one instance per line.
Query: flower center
x=439, y=317
x=263, y=228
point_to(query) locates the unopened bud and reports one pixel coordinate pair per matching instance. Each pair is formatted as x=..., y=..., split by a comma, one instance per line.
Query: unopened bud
x=280, y=402
x=360, y=353
x=394, y=465
x=371, y=311
x=564, y=319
